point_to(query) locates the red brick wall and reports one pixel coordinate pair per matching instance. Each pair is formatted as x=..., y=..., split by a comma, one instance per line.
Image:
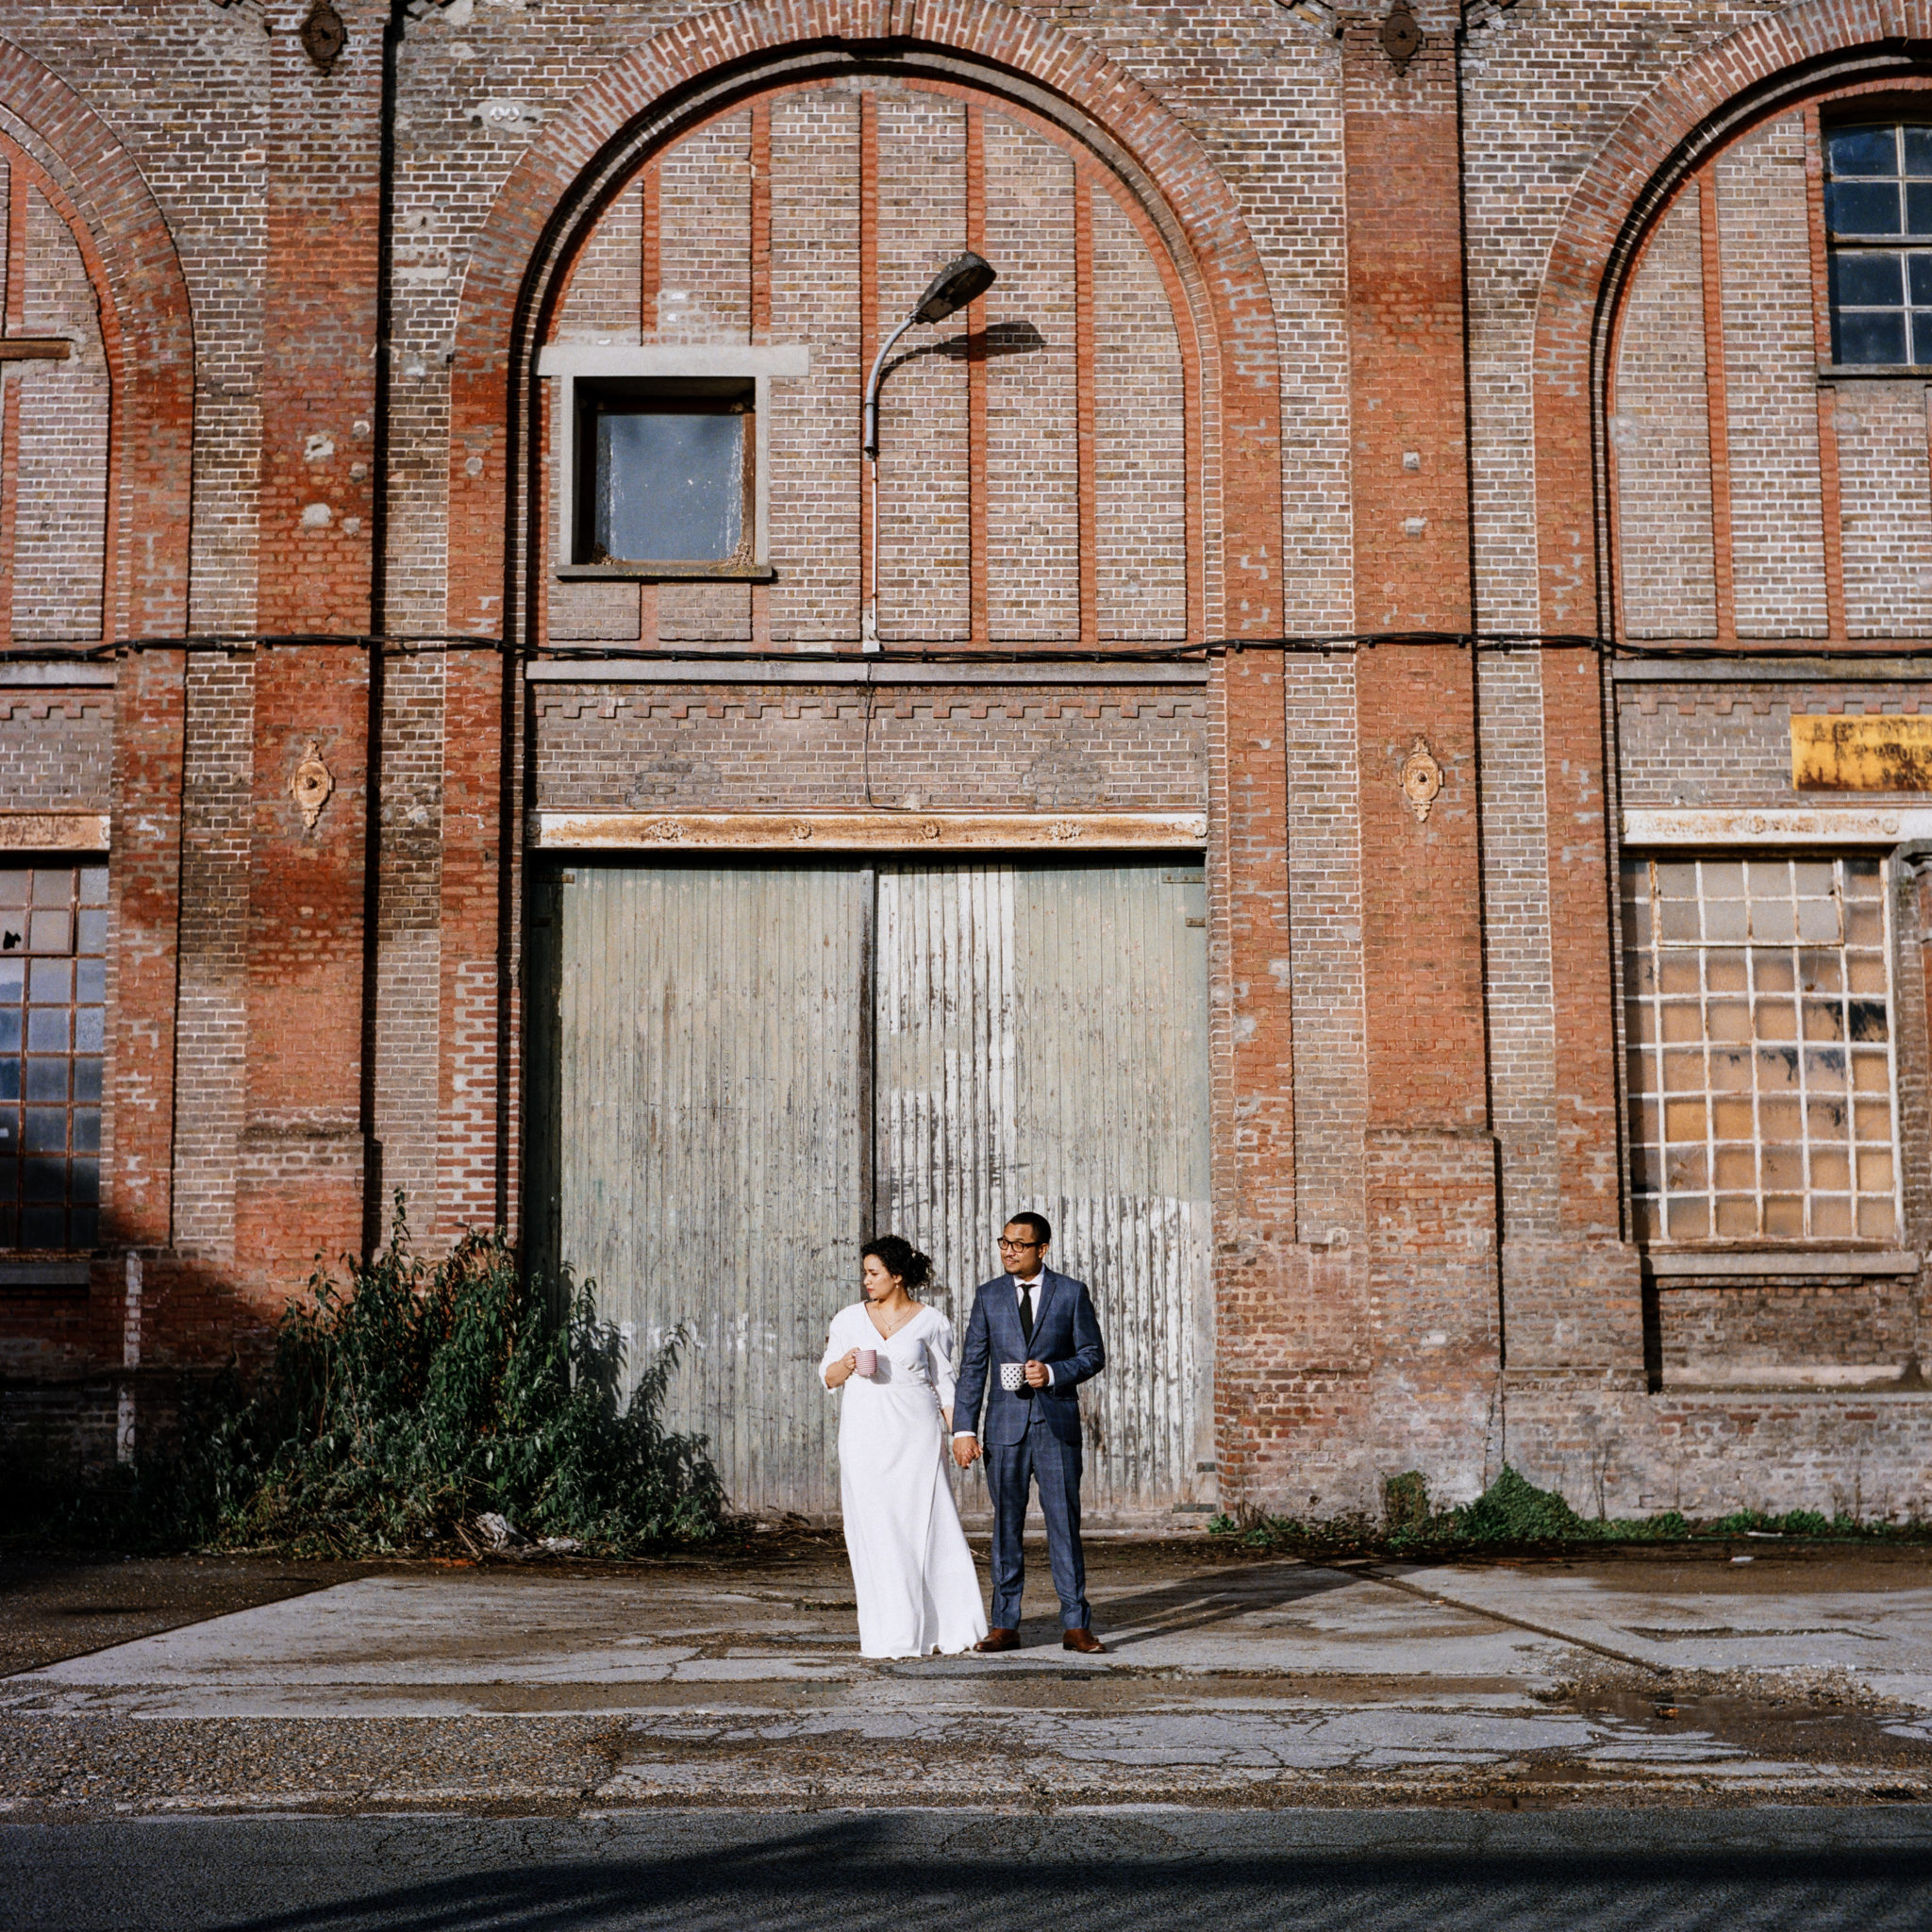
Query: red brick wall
x=797, y=747
x=53, y=437
x=57, y=748
x=1269, y=270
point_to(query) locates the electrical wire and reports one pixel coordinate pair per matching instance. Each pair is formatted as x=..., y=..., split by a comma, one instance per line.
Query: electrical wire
x=232, y=642
x=1329, y=643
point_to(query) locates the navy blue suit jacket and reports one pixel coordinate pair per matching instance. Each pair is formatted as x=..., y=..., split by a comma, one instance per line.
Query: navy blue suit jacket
x=1066, y=1336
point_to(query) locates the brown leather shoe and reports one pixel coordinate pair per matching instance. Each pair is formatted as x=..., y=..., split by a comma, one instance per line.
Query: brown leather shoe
x=998, y=1639
x=1085, y=1642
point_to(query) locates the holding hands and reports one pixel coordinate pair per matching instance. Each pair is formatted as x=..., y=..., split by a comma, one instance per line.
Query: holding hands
x=966, y=1450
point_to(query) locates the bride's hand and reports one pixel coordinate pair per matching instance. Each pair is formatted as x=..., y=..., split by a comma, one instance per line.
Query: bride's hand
x=843, y=1370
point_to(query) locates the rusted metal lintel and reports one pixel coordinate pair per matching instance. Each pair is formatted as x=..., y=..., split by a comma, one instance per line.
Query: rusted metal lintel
x=53, y=831
x=1780, y=825
x=866, y=832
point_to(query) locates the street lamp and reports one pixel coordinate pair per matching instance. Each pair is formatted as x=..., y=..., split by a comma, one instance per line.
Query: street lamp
x=963, y=279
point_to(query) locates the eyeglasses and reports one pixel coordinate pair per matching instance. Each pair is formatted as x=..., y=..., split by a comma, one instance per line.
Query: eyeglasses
x=1005, y=1243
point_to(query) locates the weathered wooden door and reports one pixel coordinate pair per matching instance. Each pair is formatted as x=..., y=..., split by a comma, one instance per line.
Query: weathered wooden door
x=700, y=1130
x=739, y=1071
x=1041, y=1041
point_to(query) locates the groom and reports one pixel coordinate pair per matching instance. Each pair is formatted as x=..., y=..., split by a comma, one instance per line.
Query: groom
x=1030, y=1315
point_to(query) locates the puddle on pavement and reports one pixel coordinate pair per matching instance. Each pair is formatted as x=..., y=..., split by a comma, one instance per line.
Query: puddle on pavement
x=1763, y=1727
x=1668, y=1633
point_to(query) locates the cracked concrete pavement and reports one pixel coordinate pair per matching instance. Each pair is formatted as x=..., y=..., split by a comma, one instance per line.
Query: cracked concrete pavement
x=1253, y=1682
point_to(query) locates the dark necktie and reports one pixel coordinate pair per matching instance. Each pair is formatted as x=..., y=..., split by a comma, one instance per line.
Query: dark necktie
x=1026, y=1309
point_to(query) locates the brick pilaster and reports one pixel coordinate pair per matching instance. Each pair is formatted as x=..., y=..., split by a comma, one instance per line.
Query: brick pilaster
x=300, y=1184
x=1430, y=1176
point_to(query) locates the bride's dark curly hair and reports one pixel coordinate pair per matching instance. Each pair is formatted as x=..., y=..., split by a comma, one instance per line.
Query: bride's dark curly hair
x=897, y=1255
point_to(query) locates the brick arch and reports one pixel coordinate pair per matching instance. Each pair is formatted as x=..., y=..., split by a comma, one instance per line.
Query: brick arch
x=1819, y=46
x=702, y=66
x=1181, y=291
x=148, y=335
x=148, y=332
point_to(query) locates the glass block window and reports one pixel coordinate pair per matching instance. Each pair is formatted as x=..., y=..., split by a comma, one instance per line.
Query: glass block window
x=668, y=472
x=1760, y=1042
x=1878, y=215
x=53, y=1028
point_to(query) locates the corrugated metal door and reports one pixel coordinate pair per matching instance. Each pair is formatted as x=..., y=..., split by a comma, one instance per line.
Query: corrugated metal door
x=1041, y=1041
x=733, y=1079
x=707, y=1135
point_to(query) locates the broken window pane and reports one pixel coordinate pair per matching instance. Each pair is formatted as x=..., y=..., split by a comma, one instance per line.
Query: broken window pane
x=1743, y=1058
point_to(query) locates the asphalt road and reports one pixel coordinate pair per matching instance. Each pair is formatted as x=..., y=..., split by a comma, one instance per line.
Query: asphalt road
x=1869, y=1868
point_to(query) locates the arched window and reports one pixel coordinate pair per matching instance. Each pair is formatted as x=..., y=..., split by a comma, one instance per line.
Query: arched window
x=718, y=328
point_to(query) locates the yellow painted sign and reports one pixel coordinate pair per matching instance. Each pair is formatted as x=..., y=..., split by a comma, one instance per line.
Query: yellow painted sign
x=1862, y=754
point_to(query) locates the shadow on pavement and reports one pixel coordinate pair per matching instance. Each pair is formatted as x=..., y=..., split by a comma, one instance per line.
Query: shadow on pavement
x=848, y=1874
x=1198, y=1602
x=1807, y=1868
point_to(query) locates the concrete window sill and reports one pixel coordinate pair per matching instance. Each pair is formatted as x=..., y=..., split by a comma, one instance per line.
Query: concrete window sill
x=57, y=672
x=666, y=574
x=1688, y=1264
x=1874, y=371
x=1768, y=1378
x=48, y=1274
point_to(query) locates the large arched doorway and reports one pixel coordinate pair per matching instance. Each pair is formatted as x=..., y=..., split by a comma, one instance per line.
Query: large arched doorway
x=742, y=1063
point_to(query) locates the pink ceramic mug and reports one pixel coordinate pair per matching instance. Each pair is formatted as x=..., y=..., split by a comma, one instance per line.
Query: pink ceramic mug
x=868, y=1362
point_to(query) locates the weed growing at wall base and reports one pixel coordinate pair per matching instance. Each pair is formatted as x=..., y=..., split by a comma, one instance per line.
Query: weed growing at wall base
x=396, y=1409
x=1513, y=1514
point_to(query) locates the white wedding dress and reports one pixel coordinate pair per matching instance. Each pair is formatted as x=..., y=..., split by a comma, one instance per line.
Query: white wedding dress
x=911, y=1570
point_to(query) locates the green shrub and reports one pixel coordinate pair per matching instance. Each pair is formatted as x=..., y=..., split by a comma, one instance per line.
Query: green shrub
x=1512, y=1513
x=396, y=1409
x=1405, y=1500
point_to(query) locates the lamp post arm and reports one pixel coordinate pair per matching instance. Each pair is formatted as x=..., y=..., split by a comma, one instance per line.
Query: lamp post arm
x=870, y=443
x=869, y=617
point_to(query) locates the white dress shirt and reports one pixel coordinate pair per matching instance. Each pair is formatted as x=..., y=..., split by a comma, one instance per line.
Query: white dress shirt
x=1020, y=1288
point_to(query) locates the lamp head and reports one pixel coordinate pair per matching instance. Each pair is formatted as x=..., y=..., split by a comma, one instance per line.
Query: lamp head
x=963, y=279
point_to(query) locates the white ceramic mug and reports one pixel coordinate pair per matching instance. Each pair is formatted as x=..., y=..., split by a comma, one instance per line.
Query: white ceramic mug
x=868, y=1362
x=1012, y=1377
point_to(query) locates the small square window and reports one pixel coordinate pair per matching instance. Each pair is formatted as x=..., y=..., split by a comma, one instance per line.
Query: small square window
x=666, y=472
x=660, y=456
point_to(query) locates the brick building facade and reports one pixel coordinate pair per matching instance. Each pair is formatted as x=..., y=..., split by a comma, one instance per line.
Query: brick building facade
x=1435, y=515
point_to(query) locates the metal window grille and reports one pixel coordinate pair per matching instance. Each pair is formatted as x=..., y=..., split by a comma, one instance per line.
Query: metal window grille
x=53, y=1025
x=1762, y=1076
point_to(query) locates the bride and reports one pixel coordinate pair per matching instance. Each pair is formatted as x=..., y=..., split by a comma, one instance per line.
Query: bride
x=911, y=1570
